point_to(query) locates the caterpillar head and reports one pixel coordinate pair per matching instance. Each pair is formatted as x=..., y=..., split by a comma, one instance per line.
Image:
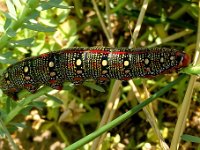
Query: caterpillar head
x=8, y=87
x=183, y=59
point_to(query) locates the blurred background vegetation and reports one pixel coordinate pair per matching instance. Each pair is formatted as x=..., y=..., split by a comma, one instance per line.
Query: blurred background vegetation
x=60, y=118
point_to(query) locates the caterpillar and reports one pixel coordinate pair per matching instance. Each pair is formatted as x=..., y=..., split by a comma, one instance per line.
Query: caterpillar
x=79, y=64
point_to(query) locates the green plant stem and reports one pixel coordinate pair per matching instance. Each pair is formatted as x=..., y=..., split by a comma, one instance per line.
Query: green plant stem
x=192, y=70
x=123, y=117
x=10, y=140
x=109, y=23
x=168, y=102
x=139, y=23
x=61, y=133
x=181, y=122
x=120, y=5
x=172, y=37
x=179, y=12
x=109, y=38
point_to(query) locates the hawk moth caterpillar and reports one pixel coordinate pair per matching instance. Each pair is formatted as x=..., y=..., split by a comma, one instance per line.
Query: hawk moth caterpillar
x=79, y=64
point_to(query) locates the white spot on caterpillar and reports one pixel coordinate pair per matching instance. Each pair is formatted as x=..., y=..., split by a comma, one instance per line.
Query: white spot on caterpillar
x=172, y=58
x=146, y=61
x=51, y=64
x=27, y=78
x=148, y=69
x=126, y=63
x=79, y=71
x=161, y=59
x=6, y=75
x=104, y=71
x=8, y=81
x=78, y=62
x=52, y=74
x=104, y=63
x=26, y=69
x=127, y=71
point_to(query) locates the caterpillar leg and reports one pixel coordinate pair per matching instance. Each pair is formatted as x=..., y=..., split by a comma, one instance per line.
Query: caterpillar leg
x=31, y=88
x=13, y=93
x=77, y=80
x=14, y=96
x=102, y=80
x=55, y=84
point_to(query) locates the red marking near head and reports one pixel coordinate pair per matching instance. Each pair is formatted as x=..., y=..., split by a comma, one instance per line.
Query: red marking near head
x=185, y=59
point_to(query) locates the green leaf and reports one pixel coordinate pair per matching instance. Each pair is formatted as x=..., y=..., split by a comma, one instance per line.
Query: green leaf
x=4, y=58
x=24, y=42
x=88, y=117
x=2, y=28
x=54, y=99
x=38, y=104
x=69, y=27
x=21, y=125
x=17, y=3
x=68, y=86
x=190, y=138
x=34, y=14
x=39, y=27
x=26, y=110
x=3, y=114
x=194, y=70
x=94, y=86
x=7, y=61
x=11, y=33
x=11, y=9
x=8, y=21
x=53, y=3
x=33, y=4
x=71, y=41
x=2, y=133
